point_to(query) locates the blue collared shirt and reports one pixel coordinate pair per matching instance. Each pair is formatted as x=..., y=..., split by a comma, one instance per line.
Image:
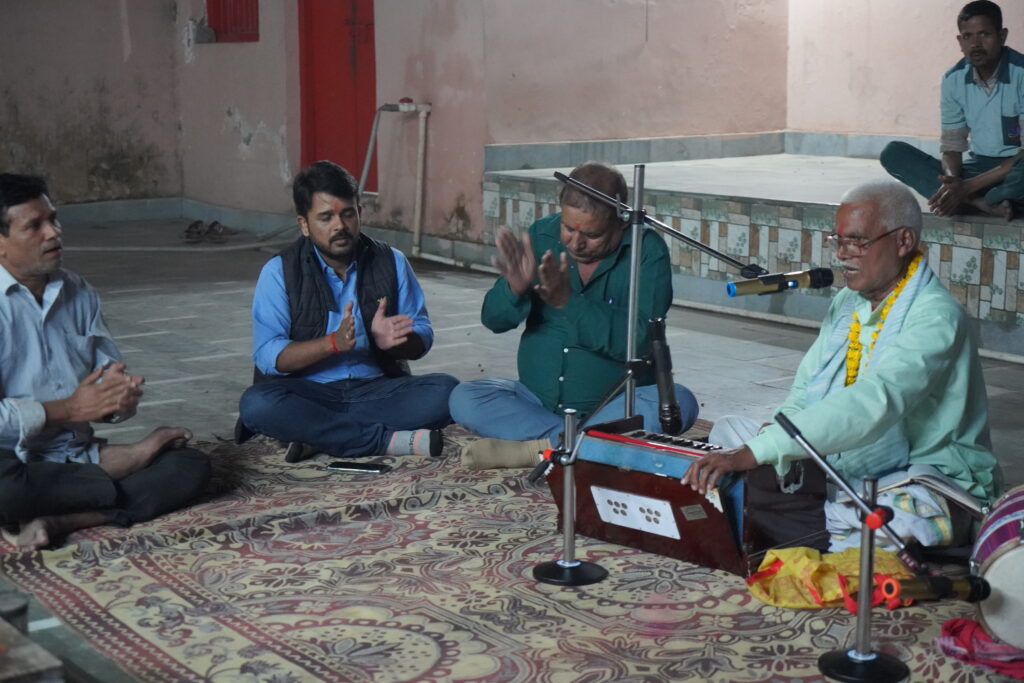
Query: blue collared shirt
x=45, y=350
x=271, y=320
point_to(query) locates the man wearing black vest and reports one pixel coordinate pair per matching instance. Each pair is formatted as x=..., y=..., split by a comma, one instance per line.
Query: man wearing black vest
x=335, y=317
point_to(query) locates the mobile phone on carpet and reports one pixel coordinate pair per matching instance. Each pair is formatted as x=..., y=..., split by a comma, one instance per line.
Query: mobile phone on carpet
x=363, y=467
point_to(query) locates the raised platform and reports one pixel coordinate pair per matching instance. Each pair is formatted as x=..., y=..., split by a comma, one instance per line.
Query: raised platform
x=774, y=210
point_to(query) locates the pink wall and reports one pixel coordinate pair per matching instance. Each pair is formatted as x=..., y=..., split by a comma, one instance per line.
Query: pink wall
x=873, y=66
x=432, y=51
x=116, y=99
x=239, y=111
x=87, y=97
x=538, y=71
x=586, y=70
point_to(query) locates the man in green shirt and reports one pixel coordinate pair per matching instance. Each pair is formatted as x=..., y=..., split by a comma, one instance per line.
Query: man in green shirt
x=892, y=382
x=568, y=280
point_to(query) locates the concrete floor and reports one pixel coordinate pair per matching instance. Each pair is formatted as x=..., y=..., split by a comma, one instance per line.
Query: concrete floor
x=181, y=316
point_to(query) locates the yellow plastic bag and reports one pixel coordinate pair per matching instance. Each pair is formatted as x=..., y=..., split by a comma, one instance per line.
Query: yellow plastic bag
x=803, y=578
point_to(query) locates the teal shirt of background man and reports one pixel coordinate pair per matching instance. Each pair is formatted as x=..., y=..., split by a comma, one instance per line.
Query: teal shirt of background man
x=994, y=118
x=570, y=357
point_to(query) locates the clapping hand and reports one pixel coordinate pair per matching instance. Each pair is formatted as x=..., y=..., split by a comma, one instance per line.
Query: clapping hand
x=344, y=338
x=390, y=331
x=516, y=261
x=105, y=391
x=554, y=288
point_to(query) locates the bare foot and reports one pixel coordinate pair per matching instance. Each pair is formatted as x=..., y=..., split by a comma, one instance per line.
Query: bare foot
x=35, y=535
x=123, y=459
x=41, y=532
x=1003, y=209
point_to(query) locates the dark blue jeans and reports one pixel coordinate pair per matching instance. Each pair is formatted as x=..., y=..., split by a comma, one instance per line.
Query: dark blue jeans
x=348, y=418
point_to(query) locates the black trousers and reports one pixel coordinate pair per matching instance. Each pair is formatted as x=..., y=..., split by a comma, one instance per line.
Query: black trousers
x=41, y=489
x=788, y=519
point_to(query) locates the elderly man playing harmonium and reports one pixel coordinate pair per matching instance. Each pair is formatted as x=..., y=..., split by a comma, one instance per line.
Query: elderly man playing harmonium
x=891, y=386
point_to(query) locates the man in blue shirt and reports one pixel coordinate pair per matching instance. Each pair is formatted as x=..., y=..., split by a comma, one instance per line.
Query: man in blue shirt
x=983, y=102
x=60, y=371
x=335, y=317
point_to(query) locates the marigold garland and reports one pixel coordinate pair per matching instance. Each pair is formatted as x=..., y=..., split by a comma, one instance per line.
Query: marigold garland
x=854, y=350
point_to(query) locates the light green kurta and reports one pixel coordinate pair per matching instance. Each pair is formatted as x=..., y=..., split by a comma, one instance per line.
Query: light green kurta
x=929, y=378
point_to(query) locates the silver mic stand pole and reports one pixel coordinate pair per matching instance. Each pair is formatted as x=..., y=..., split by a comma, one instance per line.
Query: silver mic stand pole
x=637, y=226
x=568, y=571
x=859, y=664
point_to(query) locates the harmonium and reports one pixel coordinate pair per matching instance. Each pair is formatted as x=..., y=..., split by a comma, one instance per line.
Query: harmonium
x=628, y=492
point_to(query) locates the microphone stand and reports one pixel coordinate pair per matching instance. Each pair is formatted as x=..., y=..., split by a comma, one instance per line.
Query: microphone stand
x=636, y=226
x=860, y=663
x=568, y=571
x=910, y=553
x=637, y=217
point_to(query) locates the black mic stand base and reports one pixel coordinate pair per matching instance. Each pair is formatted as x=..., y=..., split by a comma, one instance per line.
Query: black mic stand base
x=850, y=665
x=563, y=573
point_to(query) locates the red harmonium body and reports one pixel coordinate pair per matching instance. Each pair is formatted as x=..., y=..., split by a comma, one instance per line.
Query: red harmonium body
x=628, y=492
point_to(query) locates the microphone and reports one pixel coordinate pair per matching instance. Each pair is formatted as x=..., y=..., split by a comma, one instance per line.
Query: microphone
x=668, y=406
x=930, y=587
x=815, y=278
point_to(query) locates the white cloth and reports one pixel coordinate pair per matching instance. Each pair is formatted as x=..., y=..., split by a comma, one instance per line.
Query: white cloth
x=917, y=514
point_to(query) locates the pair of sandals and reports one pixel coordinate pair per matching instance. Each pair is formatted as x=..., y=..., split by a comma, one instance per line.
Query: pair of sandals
x=198, y=231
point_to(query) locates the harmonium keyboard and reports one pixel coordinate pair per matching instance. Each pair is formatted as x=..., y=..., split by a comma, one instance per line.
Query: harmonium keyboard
x=628, y=492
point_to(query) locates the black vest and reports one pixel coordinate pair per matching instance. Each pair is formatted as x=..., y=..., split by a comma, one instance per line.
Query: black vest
x=310, y=297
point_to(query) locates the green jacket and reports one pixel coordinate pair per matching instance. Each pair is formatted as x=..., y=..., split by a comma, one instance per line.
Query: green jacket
x=571, y=357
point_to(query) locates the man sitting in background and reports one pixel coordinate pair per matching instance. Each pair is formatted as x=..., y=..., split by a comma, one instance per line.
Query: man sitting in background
x=59, y=371
x=983, y=103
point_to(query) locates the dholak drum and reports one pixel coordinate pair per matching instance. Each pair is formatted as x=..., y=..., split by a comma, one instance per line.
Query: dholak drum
x=998, y=557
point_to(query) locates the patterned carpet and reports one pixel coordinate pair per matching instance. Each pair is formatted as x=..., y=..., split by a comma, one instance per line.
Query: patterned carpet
x=290, y=573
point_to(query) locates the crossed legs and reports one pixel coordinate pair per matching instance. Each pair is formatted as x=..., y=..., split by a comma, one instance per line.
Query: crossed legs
x=131, y=483
x=920, y=171
x=347, y=418
x=505, y=409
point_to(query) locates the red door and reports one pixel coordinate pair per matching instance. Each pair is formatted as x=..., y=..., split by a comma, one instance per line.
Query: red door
x=337, y=77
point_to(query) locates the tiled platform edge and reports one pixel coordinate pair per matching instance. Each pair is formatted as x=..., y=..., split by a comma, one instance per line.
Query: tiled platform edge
x=978, y=261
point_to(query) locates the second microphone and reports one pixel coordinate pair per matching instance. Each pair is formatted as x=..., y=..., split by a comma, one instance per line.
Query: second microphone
x=815, y=278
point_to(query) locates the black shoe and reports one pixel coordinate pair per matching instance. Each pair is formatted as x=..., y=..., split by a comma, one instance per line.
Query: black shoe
x=242, y=433
x=436, y=443
x=298, y=451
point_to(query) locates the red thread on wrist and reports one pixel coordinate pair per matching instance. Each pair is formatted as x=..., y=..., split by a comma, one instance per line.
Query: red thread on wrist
x=334, y=345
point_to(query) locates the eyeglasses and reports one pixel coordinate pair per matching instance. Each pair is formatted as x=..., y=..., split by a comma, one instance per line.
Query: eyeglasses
x=855, y=245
